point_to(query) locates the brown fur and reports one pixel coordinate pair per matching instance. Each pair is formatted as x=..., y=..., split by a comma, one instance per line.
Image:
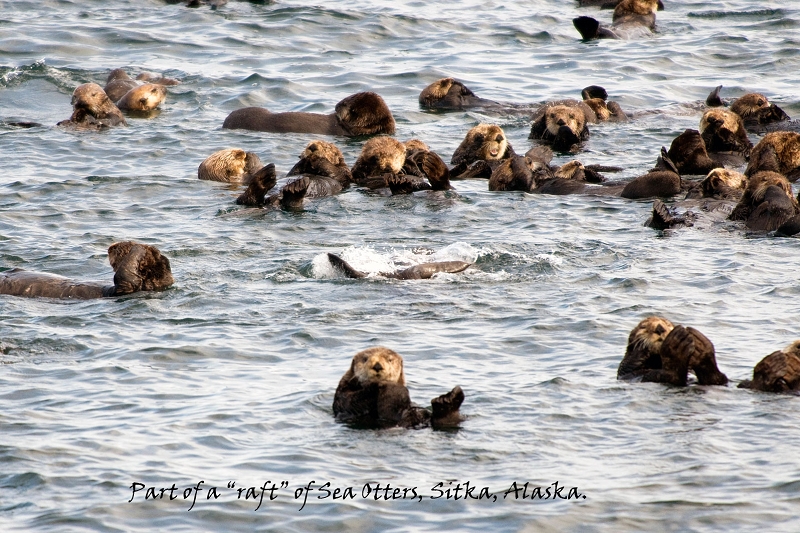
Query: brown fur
x=323, y=150
x=777, y=372
x=93, y=109
x=379, y=156
x=376, y=365
x=724, y=131
x=483, y=142
x=143, y=98
x=635, y=7
x=137, y=267
x=232, y=165
x=662, y=181
x=723, y=183
x=778, y=151
x=359, y=114
x=688, y=152
x=448, y=93
x=749, y=104
x=562, y=115
x=769, y=215
x=644, y=345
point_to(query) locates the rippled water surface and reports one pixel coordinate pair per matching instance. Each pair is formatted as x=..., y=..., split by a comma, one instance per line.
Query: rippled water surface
x=228, y=377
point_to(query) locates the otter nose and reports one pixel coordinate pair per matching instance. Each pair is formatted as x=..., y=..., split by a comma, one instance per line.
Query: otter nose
x=377, y=367
x=561, y=122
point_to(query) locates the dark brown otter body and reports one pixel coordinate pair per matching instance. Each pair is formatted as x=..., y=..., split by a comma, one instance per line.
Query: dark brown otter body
x=422, y=170
x=373, y=394
x=359, y=114
x=563, y=126
x=662, y=181
x=137, y=267
x=451, y=94
x=767, y=202
x=779, y=152
x=777, y=372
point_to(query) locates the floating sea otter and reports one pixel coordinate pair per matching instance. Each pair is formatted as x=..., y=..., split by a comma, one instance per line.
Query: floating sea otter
x=754, y=108
x=563, y=126
x=631, y=19
x=359, y=114
x=92, y=109
x=777, y=372
x=421, y=271
x=373, y=394
x=137, y=267
x=660, y=352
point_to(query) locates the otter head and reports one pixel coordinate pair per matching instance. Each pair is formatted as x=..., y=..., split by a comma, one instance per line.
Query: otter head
x=716, y=119
x=117, y=74
x=144, y=98
x=378, y=365
x=491, y=141
x=415, y=145
x=723, y=182
x=723, y=130
x=562, y=115
x=599, y=107
x=445, y=92
x=382, y=155
x=365, y=114
x=91, y=98
x=761, y=181
x=317, y=150
x=749, y=104
x=650, y=333
x=638, y=7
x=138, y=267
x=231, y=165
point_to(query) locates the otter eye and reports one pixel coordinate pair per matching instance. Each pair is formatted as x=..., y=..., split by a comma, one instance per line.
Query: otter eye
x=499, y=138
x=571, y=115
x=552, y=115
x=760, y=102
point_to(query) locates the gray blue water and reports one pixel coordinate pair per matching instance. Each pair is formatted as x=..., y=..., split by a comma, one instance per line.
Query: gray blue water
x=228, y=377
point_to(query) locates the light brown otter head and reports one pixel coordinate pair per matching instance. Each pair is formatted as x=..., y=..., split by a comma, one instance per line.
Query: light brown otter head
x=778, y=151
x=637, y=7
x=724, y=131
x=649, y=334
x=232, y=165
x=145, y=97
x=722, y=182
x=117, y=74
x=600, y=108
x=377, y=365
x=720, y=118
x=365, y=114
x=414, y=145
x=491, y=140
x=317, y=150
x=749, y=104
x=381, y=155
x=138, y=267
x=563, y=115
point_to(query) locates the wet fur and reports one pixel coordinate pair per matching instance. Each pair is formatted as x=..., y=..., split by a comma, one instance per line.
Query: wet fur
x=481, y=143
x=232, y=165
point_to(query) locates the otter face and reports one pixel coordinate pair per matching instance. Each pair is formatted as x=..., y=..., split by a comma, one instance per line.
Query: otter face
x=761, y=181
x=650, y=333
x=599, y=107
x=316, y=150
x=445, y=92
x=717, y=119
x=491, y=140
x=365, y=114
x=721, y=178
x=383, y=155
x=378, y=365
x=144, y=98
x=569, y=170
x=562, y=115
x=749, y=104
x=92, y=98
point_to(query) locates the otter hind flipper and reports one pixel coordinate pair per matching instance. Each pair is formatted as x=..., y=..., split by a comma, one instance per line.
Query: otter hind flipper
x=445, y=408
x=294, y=192
x=262, y=181
x=587, y=27
x=713, y=99
x=345, y=267
x=427, y=270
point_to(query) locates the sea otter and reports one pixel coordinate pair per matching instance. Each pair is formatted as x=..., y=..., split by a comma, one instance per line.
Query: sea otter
x=322, y=172
x=92, y=109
x=421, y=271
x=724, y=131
x=777, y=372
x=631, y=19
x=373, y=394
x=137, y=267
x=561, y=125
x=662, y=181
x=359, y=114
x=767, y=202
x=532, y=173
x=483, y=146
x=232, y=165
x=754, y=108
x=779, y=152
x=721, y=184
x=423, y=169
x=451, y=94
x=379, y=158
x=608, y=4
x=143, y=98
x=660, y=352
x=689, y=154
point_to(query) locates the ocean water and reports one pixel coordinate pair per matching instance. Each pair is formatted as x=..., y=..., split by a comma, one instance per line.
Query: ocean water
x=228, y=377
